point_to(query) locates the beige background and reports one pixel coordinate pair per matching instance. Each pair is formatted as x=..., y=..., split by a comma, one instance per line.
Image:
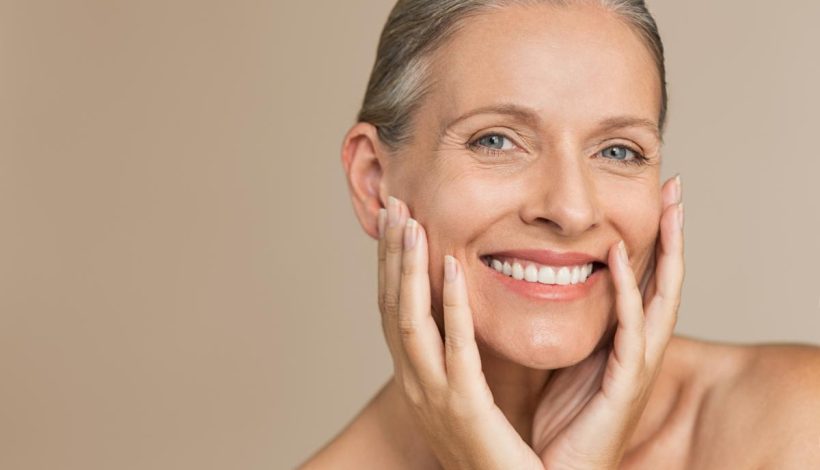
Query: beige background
x=183, y=284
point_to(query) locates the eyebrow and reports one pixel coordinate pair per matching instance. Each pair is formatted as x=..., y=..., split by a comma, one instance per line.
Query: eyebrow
x=531, y=117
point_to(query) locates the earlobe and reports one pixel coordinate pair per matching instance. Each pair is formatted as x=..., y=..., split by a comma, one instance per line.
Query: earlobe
x=362, y=162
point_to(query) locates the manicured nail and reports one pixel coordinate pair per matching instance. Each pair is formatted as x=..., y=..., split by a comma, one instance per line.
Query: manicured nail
x=382, y=220
x=680, y=216
x=410, y=233
x=678, y=188
x=449, y=268
x=392, y=211
x=622, y=252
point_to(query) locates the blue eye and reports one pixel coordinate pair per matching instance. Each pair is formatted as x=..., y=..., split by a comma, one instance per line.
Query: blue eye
x=621, y=154
x=616, y=154
x=493, y=142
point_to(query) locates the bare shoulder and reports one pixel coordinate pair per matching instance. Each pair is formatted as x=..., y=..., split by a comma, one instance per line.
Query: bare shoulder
x=358, y=445
x=369, y=440
x=763, y=398
x=782, y=381
x=337, y=452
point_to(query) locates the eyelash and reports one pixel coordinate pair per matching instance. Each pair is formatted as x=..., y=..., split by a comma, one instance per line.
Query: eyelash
x=639, y=159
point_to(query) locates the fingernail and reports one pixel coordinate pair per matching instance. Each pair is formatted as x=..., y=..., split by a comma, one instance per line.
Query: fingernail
x=392, y=211
x=382, y=220
x=680, y=216
x=678, y=189
x=622, y=252
x=410, y=231
x=449, y=268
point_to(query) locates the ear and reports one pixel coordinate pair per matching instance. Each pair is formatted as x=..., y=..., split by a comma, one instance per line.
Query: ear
x=363, y=158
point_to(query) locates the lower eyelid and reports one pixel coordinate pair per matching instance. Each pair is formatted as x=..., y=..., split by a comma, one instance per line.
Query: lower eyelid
x=488, y=150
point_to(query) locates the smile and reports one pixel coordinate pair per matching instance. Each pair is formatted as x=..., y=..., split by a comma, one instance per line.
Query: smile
x=544, y=282
x=529, y=271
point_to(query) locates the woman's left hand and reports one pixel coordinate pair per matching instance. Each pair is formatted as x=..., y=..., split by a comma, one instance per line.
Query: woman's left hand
x=589, y=411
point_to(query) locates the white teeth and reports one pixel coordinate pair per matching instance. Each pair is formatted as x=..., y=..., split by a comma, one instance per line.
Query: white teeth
x=546, y=275
x=575, y=274
x=518, y=271
x=563, y=276
x=531, y=272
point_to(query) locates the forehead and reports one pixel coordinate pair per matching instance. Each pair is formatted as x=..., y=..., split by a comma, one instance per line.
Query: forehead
x=574, y=65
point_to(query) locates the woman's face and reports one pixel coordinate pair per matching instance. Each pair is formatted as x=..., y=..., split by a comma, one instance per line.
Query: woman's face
x=561, y=171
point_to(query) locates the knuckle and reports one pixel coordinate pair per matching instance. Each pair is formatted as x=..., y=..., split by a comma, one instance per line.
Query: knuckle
x=673, y=301
x=390, y=301
x=449, y=302
x=408, y=327
x=455, y=343
x=414, y=394
x=408, y=269
x=393, y=247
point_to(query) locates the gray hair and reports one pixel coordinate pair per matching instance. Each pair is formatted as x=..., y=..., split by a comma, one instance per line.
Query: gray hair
x=415, y=28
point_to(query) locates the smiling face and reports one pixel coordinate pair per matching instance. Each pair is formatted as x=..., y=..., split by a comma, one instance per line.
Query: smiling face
x=534, y=137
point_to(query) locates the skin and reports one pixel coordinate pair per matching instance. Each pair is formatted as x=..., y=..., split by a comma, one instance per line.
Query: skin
x=497, y=181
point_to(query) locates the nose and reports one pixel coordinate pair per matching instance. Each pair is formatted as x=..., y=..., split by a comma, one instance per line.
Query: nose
x=562, y=194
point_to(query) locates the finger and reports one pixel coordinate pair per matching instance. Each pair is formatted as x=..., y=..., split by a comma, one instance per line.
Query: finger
x=382, y=275
x=648, y=283
x=661, y=315
x=630, y=340
x=381, y=254
x=670, y=195
x=392, y=254
x=462, y=359
x=418, y=331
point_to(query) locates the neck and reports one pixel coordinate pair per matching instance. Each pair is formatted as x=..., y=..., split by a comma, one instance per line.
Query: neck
x=516, y=390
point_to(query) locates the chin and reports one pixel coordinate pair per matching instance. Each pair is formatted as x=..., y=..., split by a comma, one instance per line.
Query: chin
x=543, y=342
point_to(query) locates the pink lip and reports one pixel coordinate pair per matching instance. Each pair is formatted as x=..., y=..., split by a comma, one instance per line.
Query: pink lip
x=549, y=257
x=553, y=292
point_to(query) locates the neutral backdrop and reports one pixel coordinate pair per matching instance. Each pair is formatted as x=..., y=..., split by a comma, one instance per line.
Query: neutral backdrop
x=183, y=284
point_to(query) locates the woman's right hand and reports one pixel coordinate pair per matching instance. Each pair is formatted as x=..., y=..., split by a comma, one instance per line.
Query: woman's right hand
x=443, y=384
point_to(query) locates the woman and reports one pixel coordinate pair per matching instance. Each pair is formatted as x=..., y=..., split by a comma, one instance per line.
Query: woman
x=504, y=151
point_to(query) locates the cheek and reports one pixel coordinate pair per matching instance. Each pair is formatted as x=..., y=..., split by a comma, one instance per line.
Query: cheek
x=636, y=219
x=458, y=208
x=455, y=212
